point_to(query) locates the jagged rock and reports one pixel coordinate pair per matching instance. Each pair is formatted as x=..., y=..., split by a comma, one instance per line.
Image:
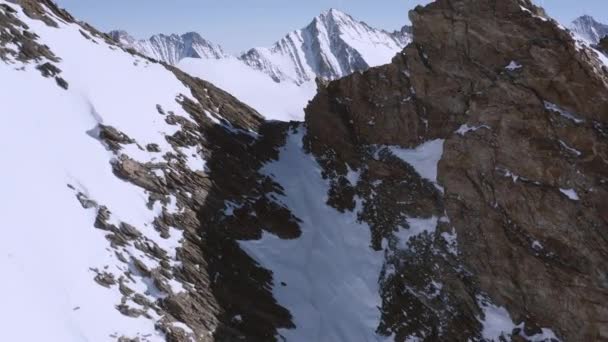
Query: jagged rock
x=138, y=174
x=88, y=203
x=101, y=221
x=129, y=230
x=48, y=69
x=517, y=88
x=152, y=148
x=105, y=279
x=124, y=289
x=129, y=311
x=113, y=137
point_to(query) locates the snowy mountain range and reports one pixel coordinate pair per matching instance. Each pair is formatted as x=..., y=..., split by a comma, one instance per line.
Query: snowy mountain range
x=171, y=48
x=333, y=45
x=589, y=29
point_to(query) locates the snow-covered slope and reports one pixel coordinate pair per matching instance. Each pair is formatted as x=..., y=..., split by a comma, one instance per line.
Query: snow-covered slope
x=84, y=254
x=331, y=273
x=332, y=46
x=171, y=48
x=589, y=29
x=276, y=101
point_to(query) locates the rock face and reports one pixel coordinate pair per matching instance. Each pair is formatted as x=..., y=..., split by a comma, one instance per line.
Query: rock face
x=523, y=112
x=171, y=48
x=590, y=29
x=332, y=46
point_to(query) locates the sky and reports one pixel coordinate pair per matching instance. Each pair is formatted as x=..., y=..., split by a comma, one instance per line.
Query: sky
x=242, y=24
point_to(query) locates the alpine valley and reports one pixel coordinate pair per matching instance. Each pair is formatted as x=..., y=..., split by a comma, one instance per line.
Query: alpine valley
x=446, y=182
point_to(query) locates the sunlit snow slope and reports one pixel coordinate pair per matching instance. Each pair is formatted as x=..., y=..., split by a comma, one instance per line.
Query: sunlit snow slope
x=54, y=167
x=276, y=101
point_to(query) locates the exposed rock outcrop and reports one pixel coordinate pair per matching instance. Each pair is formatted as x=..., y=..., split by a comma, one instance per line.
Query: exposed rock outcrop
x=523, y=111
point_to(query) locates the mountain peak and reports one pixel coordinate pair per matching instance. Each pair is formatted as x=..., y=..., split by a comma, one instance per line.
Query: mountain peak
x=333, y=12
x=589, y=29
x=333, y=17
x=586, y=18
x=333, y=45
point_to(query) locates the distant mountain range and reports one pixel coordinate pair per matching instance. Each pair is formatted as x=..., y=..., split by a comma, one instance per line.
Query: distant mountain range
x=171, y=48
x=333, y=45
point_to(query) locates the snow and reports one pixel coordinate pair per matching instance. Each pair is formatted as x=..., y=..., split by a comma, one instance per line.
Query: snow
x=417, y=226
x=49, y=244
x=464, y=129
x=424, y=158
x=451, y=240
x=557, y=109
x=513, y=65
x=570, y=149
x=570, y=193
x=193, y=159
x=332, y=46
x=276, y=101
x=497, y=324
x=331, y=272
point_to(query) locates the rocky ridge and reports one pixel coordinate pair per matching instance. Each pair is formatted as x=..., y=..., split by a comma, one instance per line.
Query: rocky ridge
x=522, y=171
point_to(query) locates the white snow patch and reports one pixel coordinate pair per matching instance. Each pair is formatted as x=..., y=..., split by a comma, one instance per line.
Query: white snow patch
x=331, y=272
x=423, y=159
x=570, y=149
x=277, y=101
x=555, y=108
x=417, y=226
x=451, y=240
x=193, y=159
x=464, y=129
x=513, y=65
x=352, y=176
x=497, y=324
x=570, y=193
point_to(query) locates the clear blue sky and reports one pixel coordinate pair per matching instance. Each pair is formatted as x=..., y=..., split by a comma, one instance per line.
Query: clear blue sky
x=242, y=24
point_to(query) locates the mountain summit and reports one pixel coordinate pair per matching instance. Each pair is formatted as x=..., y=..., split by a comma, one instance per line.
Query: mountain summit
x=333, y=45
x=588, y=28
